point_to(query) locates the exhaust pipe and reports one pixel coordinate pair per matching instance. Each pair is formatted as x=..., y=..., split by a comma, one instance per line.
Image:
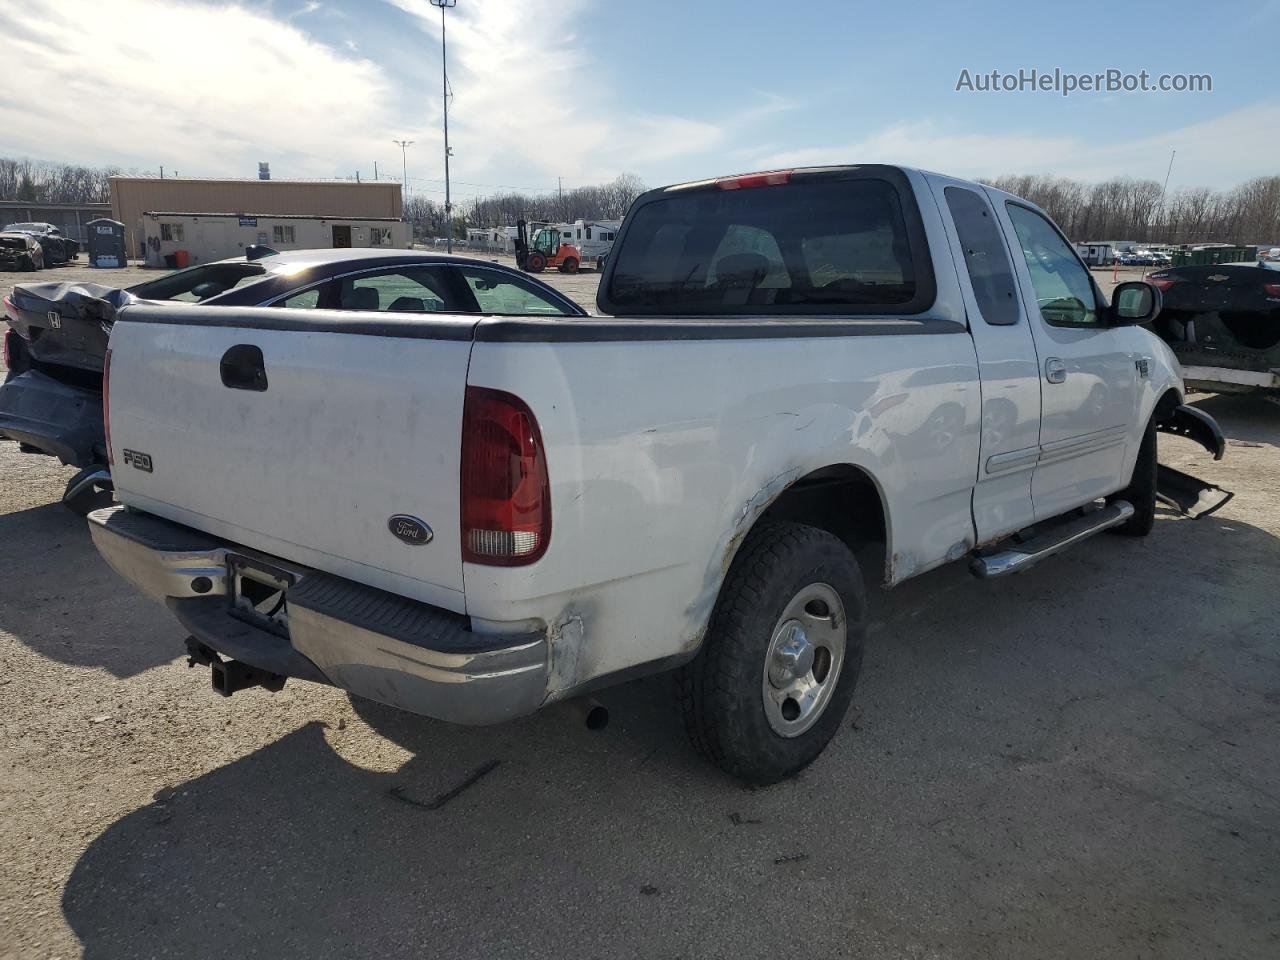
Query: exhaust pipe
x=590, y=711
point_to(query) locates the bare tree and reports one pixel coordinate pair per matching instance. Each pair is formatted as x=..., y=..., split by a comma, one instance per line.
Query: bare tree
x=42, y=182
x=1127, y=209
x=608, y=201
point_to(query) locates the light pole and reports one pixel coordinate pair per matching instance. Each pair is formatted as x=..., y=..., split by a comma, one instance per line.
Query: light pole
x=404, y=145
x=444, y=85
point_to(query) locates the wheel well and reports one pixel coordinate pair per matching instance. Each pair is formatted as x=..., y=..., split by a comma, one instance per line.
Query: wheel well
x=1165, y=406
x=845, y=501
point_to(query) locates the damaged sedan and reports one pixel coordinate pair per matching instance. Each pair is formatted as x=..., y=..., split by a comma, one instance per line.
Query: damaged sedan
x=1222, y=322
x=20, y=251
x=58, y=249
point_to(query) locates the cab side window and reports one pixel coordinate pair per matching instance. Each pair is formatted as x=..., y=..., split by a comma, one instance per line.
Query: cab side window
x=1063, y=288
x=985, y=256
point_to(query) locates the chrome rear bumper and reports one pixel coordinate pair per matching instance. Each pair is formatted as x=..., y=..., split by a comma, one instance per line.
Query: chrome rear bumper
x=375, y=644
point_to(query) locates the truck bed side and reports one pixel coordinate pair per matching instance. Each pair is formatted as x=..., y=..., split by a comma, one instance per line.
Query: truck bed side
x=663, y=450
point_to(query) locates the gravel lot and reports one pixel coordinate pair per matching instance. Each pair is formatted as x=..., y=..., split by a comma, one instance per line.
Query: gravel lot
x=1083, y=761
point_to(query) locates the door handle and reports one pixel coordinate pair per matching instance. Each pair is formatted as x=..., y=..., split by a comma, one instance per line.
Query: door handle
x=1055, y=370
x=242, y=368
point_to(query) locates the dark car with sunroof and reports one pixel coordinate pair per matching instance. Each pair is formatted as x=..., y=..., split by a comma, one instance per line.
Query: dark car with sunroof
x=57, y=333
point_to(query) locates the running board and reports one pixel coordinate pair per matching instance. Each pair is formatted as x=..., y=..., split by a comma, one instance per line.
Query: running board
x=1025, y=555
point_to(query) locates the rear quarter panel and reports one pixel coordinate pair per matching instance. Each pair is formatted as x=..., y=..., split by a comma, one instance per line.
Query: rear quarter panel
x=663, y=453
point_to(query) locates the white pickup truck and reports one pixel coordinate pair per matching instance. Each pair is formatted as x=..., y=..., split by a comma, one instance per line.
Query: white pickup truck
x=471, y=517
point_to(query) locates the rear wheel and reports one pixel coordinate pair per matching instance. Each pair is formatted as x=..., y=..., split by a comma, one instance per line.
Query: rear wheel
x=781, y=658
x=1141, y=492
x=570, y=265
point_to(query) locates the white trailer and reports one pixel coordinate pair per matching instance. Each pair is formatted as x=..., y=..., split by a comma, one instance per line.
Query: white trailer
x=594, y=239
x=1097, y=254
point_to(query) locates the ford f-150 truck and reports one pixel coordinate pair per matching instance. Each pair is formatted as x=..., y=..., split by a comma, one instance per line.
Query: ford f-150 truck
x=470, y=517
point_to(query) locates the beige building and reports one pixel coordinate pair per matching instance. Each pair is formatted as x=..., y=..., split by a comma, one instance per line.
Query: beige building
x=335, y=201
x=179, y=239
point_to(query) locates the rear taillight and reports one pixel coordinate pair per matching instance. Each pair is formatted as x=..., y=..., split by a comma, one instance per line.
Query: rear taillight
x=9, y=309
x=1273, y=289
x=106, y=404
x=8, y=354
x=773, y=178
x=505, y=495
x=1161, y=283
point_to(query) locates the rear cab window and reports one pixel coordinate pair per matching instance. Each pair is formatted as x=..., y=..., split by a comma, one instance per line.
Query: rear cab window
x=836, y=243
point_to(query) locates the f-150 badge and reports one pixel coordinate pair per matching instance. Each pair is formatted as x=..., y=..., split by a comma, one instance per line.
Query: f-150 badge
x=138, y=460
x=409, y=529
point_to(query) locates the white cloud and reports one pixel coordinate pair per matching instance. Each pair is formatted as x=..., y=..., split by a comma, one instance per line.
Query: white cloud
x=212, y=88
x=1220, y=152
x=527, y=96
x=204, y=89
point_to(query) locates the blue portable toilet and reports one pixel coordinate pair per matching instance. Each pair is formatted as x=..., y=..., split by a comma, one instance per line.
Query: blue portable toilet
x=106, y=243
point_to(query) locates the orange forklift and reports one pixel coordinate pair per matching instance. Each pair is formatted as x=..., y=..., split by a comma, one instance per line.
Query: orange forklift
x=548, y=249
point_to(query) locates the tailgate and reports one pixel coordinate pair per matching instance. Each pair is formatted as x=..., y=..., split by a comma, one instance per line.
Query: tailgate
x=359, y=422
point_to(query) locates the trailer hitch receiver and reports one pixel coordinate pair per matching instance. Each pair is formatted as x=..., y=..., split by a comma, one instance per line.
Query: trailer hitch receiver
x=231, y=676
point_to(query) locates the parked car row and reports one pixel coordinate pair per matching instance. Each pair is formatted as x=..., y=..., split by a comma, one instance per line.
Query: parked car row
x=437, y=483
x=1144, y=258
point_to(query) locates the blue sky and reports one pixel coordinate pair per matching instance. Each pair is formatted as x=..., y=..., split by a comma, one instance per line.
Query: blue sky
x=670, y=91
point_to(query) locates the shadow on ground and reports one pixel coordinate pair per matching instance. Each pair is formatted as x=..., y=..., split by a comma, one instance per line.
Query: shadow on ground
x=1036, y=767
x=1248, y=417
x=60, y=598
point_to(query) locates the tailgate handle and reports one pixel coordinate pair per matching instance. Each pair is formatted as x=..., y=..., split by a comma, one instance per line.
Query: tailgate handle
x=242, y=368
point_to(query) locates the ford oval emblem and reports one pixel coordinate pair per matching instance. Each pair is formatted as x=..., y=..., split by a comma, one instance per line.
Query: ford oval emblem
x=409, y=529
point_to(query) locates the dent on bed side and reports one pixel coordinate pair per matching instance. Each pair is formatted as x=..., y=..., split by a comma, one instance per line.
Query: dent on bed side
x=569, y=660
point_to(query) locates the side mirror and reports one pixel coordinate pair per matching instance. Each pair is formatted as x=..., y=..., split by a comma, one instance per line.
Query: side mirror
x=1134, y=302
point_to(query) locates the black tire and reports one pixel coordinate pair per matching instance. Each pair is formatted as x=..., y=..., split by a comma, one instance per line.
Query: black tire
x=720, y=691
x=1141, y=491
x=27, y=263
x=570, y=266
x=536, y=263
